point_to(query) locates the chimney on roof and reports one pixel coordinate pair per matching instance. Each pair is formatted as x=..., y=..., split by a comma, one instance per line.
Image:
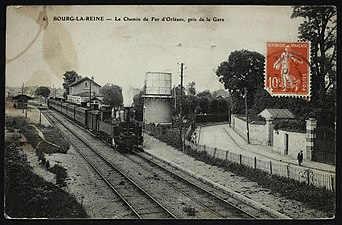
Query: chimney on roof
x=92, y=78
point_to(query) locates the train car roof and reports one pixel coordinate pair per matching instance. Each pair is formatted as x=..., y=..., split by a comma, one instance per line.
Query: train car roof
x=82, y=108
x=94, y=111
x=71, y=104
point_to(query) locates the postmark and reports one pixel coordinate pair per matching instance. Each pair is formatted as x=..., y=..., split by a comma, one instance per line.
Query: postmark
x=287, y=69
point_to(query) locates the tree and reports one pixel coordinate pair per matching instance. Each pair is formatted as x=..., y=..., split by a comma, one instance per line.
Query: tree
x=43, y=91
x=191, y=88
x=205, y=93
x=204, y=98
x=176, y=92
x=243, y=70
x=112, y=95
x=69, y=77
x=320, y=28
x=204, y=105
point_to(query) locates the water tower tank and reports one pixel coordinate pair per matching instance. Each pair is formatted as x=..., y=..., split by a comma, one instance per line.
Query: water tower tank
x=158, y=98
x=158, y=83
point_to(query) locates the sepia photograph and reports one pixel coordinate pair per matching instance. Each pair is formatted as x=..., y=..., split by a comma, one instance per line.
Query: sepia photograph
x=173, y=112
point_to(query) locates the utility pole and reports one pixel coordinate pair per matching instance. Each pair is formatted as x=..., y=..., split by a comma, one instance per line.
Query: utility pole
x=90, y=93
x=229, y=114
x=246, y=115
x=40, y=115
x=180, y=107
x=22, y=95
x=53, y=91
x=175, y=96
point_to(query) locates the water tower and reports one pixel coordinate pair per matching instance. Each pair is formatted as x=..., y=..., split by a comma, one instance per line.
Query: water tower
x=158, y=98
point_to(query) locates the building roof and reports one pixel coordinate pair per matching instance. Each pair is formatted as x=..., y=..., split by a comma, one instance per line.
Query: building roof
x=86, y=94
x=276, y=114
x=22, y=97
x=83, y=79
x=94, y=98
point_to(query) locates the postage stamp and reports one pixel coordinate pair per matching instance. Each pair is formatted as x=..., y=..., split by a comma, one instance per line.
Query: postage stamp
x=287, y=69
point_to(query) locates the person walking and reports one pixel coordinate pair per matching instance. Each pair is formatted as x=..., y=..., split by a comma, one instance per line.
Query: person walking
x=300, y=157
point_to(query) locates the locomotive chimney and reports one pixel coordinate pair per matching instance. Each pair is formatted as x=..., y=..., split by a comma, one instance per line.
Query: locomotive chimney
x=113, y=112
x=127, y=113
x=122, y=115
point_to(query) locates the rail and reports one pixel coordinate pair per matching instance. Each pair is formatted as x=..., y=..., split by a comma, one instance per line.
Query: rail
x=114, y=168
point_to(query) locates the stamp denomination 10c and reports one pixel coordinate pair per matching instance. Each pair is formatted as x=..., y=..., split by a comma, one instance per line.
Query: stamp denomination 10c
x=287, y=69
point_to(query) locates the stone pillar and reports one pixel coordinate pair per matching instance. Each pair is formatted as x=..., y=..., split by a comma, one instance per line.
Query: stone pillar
x=311, y=125
x=269, y=131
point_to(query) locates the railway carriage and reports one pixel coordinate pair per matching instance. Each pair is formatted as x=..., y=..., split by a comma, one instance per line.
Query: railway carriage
x=71, y=111
x=59, y=106
x=64, y=108
x=93, y=116
x=55, y=104
x=81, y=115
x=52, y=103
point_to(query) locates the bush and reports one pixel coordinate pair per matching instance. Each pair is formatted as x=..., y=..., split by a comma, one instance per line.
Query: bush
x=31, y=135
x=61, y=174
x=290, y=125
x=18, y=122
x=223, y=117
x=52, y=135
x=47, y=148
x=29, y=196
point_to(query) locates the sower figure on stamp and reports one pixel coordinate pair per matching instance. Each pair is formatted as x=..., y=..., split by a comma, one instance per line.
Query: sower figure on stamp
x=300, y=157
x=285, y=71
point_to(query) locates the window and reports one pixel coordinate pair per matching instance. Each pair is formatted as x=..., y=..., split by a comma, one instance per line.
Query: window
x=86, y=84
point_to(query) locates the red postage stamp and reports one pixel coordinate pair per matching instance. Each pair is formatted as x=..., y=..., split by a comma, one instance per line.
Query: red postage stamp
x=287, y=69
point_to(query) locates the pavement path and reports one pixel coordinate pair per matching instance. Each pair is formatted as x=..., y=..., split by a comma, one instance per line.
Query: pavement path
x=224, y=137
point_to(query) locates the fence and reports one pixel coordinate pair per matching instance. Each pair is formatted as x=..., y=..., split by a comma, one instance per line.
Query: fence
x=309, y=176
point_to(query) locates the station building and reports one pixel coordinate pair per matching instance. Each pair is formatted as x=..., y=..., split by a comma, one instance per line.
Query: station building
x=84, y=91
x=22, y=101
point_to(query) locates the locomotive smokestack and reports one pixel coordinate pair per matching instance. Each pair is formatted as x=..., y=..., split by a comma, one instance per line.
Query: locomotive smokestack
x=113, y=112
x=127, y=113
x=122, y=115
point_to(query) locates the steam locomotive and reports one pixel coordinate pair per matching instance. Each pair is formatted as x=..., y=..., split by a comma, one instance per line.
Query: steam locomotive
x=117, y=127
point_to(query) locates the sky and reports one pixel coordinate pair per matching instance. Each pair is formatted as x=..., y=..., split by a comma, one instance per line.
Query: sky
x=40, y=48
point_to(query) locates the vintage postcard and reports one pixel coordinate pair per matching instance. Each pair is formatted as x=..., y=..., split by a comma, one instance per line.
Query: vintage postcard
x=170, y=112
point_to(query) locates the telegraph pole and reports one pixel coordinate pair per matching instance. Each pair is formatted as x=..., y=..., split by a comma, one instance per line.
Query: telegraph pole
x=90, y=93
x=180, y=107
x=246, y=115
x=22, y=95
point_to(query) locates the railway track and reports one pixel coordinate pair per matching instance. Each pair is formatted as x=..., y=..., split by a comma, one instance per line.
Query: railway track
x=204, y=200
x=141, y=204
x=217, y=202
